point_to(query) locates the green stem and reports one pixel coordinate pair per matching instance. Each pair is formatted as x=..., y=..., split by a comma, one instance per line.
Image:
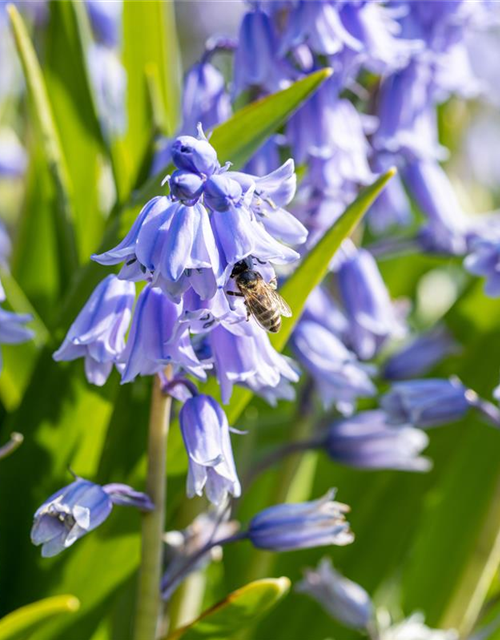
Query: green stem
x=149, y=602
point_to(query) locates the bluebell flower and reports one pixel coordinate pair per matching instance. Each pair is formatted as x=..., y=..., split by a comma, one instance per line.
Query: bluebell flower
x=204, y=98
x=371, y=313
x=13, y=329
x=342, y=598
x=338, y=375
x=331, y=129
x=392, y=207
x=98, y=333
x=321, y=308
x=13, y=158
x=155, y=340
x=110, y=87
x=238, y=232
x=379, y=45
x=105, y=18
x=427, y=403
x=407, y=115
x=318, y=25
x=286, y=527
x=368, y=441
x=419, y=356
x=484, y=260
x=243, y=355
x=77, y=509
x=447, y=226
x=257, y=65
x=270, y=193
x=205, y=431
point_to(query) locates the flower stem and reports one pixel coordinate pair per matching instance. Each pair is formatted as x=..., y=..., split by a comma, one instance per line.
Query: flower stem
x=149, y=602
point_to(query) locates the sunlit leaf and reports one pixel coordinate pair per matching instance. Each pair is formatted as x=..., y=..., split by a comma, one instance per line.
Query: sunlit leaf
x=20, y=624
x=238, y=610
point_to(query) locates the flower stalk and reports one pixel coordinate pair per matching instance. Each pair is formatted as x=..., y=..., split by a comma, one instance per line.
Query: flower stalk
x=149, y=602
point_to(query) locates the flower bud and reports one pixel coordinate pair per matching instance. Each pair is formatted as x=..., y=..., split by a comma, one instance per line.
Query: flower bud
x=193, y=154
x=222, y=193
x=186, y=186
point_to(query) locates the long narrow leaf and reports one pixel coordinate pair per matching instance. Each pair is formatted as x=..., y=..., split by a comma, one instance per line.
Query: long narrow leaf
x=21, y=623
x=51, y=144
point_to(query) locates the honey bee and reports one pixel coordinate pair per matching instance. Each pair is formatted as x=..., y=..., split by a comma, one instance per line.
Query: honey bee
x=262, y=300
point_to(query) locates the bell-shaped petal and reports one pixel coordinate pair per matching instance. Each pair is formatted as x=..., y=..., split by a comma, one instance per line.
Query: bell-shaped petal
x=126, y=249
x=98, y=333
x=150, y=347
x=338, y=375
x=366, y=301
x=419, y=356
x=343, y=599
x=427, y=403
x=205, y=431
x=204, y=99
x=484, y=260
x=367, y=441
x=286, y=527
x=256, y=64
x=244, y=355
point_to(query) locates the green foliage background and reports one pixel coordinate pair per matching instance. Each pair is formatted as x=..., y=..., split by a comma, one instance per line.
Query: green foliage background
x=423, y=542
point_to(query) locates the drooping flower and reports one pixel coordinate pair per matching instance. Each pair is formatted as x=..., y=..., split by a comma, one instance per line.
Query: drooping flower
x=77, y=509
x=342, y=598
x=419, y=356
x=155, y=340
x=368, y=441
x=484, y=260
x=447, y=226
x=286, y=527
x=243, y=355
x=338, y=375
x=98, y=333
x=205, y=431
x=427, y=403
x=257, y=65
x=204, y=98
x=372, y=315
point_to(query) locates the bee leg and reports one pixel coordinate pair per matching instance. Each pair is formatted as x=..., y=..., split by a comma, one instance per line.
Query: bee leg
x=235, y=293
x=273, y=283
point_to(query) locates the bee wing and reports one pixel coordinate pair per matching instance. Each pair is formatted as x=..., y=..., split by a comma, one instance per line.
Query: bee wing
x=279, y=302
x=283, y=306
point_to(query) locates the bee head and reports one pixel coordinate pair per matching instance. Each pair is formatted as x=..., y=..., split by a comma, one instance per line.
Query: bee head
x=249, y=279
x=241, y=266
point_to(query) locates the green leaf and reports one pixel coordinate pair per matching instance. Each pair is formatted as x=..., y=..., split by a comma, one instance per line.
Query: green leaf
x=237, y=611
x=73, y=105
x=51, y=145
x=150, y=42
x=21, y=623
x=314, y=266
